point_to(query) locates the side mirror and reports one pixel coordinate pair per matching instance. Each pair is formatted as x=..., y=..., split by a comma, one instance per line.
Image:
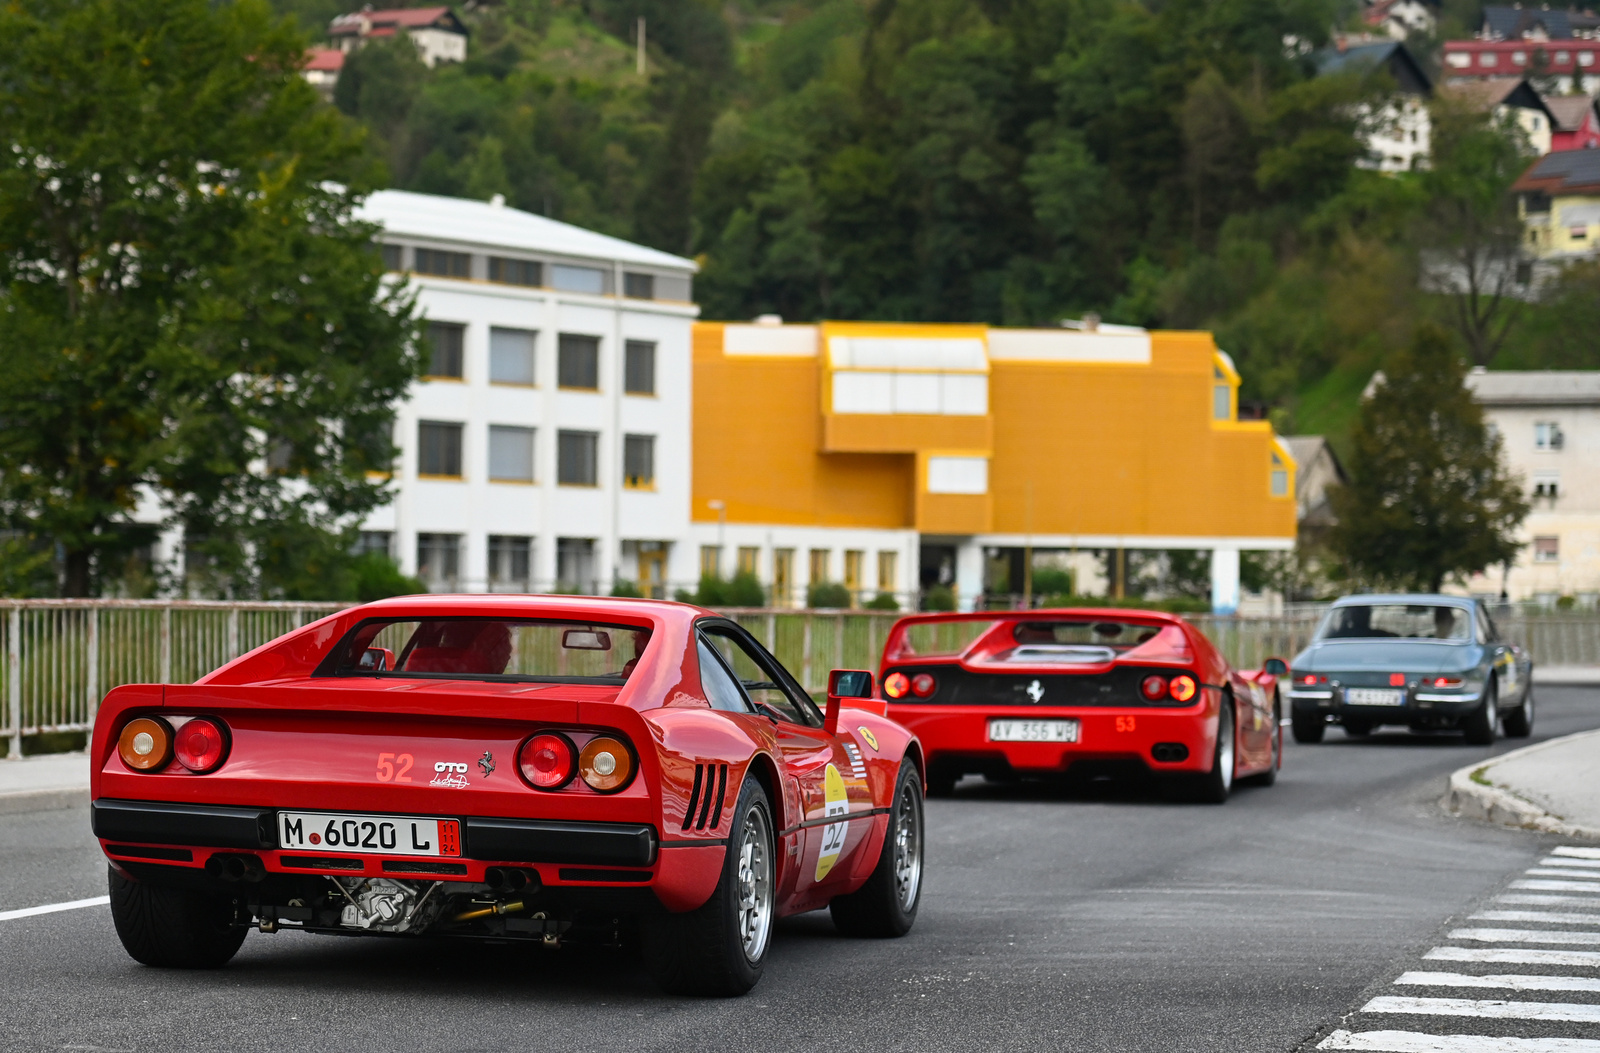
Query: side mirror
x=843, y=684
x=376, y=660
x=1275, y=666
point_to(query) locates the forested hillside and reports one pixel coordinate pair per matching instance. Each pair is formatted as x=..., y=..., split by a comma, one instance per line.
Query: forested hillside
x=1172, y=163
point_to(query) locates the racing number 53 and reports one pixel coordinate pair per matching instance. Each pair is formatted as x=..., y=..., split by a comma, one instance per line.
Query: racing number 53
x=393, y=767
x=1126, y=724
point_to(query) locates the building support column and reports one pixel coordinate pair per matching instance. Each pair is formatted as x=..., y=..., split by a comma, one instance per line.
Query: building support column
x=969, y=574
x=1224, y=580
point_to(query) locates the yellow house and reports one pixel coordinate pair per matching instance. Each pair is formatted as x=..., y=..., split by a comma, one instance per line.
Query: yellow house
x=1559, y=201
x=896, y=456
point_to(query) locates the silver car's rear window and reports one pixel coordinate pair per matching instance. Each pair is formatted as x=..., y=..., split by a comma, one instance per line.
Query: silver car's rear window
x=1410, y=621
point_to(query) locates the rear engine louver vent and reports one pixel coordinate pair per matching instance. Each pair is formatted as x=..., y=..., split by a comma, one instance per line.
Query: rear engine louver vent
x=710, y=785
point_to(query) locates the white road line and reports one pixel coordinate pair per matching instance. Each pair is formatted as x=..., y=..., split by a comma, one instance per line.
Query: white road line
x=1512, y=981
x=1487, y=1008
x=1582, y=877
x=1558, y=886
x=1513, y=956
x=1413, y=1042
x=1548, y=916
x=1560, y=861
x=1574, y=852
x=51, y=908
x=1587, y=901
x=1526, y=936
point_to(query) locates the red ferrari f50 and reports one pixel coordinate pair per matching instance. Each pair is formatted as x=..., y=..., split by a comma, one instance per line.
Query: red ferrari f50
x=549, y=769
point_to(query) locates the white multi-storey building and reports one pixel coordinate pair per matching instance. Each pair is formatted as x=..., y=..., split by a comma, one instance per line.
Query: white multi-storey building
x=1550, y=425
x=547, y=447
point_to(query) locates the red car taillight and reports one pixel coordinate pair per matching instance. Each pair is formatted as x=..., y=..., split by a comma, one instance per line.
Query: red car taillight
x=201, y=744
x=896, y=685
x=1446, y=681
x=145, y=744
x=547, y=761
x=1182, y=687
x=923, y=685
x=1153, y=687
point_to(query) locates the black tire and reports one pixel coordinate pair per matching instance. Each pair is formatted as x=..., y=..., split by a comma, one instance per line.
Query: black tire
x=173, y=928
x=704, y=951
x=1479, y=726
x=1214, y=786
x=886, y=905
x=1308, y=728
x=1357, y=729
x=1518, y=723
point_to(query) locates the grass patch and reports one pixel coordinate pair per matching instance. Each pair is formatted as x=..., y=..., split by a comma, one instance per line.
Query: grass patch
x=1329, y=406
x=1478, y=777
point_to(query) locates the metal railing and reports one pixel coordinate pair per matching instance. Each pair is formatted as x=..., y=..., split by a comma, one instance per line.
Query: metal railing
x=62, y=656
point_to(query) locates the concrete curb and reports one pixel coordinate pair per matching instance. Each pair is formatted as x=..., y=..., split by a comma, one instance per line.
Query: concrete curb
x=43, y=800
x=1471, y=799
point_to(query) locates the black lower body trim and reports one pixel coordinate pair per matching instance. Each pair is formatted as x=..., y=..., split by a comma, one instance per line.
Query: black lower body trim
x=321, y=863
x=596, y=874
x=421, y=866
x=182, y=855
x=208, y=825
x=540, y=841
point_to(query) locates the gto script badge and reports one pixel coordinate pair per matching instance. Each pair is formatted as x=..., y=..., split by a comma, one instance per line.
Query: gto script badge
x=486, y=762
x=1036, y=691
x=449, y=774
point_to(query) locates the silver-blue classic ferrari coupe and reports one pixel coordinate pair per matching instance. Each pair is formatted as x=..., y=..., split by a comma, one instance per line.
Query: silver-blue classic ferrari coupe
x=1424, y=661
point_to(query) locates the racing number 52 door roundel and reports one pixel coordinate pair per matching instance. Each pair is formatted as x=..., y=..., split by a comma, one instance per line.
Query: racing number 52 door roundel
x=835, y=804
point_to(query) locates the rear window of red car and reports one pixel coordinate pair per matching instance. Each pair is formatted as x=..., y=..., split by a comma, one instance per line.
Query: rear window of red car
x=543, y=650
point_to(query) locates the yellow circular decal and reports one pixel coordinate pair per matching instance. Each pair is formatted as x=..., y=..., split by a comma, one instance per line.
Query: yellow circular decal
x=835, y=803
x=871, y=739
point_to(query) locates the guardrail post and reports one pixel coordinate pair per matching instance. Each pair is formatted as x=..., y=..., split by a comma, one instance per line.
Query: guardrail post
x=805, y=653
x=838, y=642
x=14, y=682
x=91, y=686
x=233, y=635
x=164, y=655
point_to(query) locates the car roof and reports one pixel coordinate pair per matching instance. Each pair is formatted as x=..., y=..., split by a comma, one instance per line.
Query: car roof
x=1437, y=599
x=510, y=606
x=1045, y=614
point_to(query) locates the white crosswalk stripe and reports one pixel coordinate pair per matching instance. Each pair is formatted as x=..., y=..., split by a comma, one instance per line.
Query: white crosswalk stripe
x=1513, y=956
x=1558, y=886
x=1509, y=981
x=1547, y=899
x=1575, y=852
x=1488, y=1008
x=1567, y=859
x=1548, y=916
x=1526, y=936
x=1413, y=1042
x=1570, y=875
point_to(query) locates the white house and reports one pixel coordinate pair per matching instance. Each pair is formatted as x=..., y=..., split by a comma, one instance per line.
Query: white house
x=438, y=34
x=548, y=446
x=1550, y=425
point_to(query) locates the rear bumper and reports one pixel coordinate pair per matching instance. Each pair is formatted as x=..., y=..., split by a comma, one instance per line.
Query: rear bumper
x=1420, y=708
x=958, y=737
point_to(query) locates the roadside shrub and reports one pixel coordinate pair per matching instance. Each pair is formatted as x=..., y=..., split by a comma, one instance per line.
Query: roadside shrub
x=939, y=598
x=828, y=594
x=624, y=587
x=883, y=601
x=744, y=591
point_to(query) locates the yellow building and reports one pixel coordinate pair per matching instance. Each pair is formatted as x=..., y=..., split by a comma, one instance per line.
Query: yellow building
x=889, y=456
x=1558, y=198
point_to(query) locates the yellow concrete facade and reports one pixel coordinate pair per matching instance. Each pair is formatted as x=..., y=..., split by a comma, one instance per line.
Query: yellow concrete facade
x=1116, y=434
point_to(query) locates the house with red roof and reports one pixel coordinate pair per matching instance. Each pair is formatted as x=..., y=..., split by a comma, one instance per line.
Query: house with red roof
x=1575, y=122
x=322, y=68
x=440, y=36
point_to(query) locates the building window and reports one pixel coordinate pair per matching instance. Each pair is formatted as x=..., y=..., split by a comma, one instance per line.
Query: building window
x=711, y=561
x=1585, y=58
x=1547, y=435
x=445, y=342
x=575, y=565
x=782, y=577
x=578, y=362
x=578, y=279
x=1563, y=57
x=638, y=286
x=375, y=541
x=438, y=449
x=820, y=558
x=1546, y=550
x=639, y=462
x=1520, y=58
x=888, y=571
x=439, y=561
x=1279, y=484
x=1458, y=59
x=515, y=272
x=1578, y=233
x=749, y=560
x=1221, y=402
x=639, y=367
x=853, y=562
x=1487, y=59
x=511, y=356
x=1547, y=484
x=444, y=264
x=576, y=460
x=510, y=454
x=509, y=563
x=393, y=256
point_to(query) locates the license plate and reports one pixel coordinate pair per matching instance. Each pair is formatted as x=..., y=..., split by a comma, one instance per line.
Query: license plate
x=1374, y=696
x=1033, y=731
x=390, y=835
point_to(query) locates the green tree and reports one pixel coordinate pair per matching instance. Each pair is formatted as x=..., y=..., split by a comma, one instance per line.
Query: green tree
x=1429, y=498
x=184, y=298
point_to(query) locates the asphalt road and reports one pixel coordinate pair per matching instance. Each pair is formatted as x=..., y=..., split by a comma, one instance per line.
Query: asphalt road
x=1099, y=919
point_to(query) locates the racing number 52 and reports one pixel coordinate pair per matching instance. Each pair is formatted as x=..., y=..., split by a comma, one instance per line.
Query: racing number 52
x=387, y=770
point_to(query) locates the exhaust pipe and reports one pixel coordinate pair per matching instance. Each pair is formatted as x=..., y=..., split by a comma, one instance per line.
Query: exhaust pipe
x=236, y=867
x=510, y=879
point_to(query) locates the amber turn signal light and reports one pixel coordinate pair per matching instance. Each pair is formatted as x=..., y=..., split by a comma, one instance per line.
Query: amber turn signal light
x=1182, y=687
x=605, y=764
x=145, y=744
x=897, y=685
